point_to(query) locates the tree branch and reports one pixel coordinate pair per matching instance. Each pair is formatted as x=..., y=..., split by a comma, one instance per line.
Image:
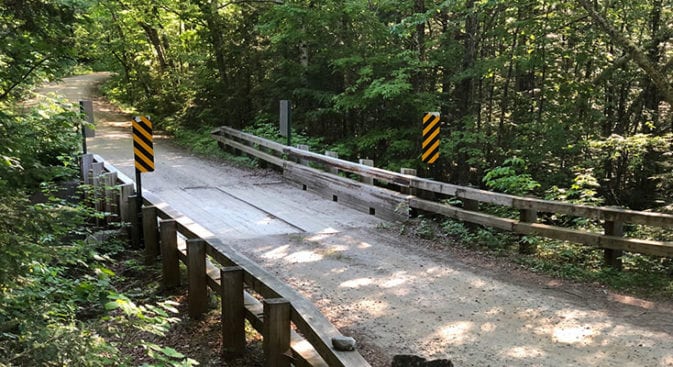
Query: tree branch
x=15, y=84
x=278, y=2
x=657, y=77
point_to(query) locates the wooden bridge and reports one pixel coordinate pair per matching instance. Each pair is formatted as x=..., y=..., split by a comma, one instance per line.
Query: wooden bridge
x=319, y=173
x=293, y=329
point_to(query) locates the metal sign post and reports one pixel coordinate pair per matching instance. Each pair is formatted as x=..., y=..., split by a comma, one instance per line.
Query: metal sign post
x=143, y=154
x=286, y=120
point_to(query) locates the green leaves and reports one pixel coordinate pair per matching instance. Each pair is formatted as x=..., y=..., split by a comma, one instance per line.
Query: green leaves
x=166, y=356
x=36, y=41
x=509, y=178
x=38, y=145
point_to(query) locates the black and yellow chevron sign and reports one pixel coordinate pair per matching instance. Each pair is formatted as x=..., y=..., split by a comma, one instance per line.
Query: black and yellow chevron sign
x=143, y=149
x=430, y=137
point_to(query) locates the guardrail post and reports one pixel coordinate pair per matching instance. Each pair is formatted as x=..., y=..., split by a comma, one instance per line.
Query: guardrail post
x=527, y=216
x=613, y=257
x=170, y=263
x=150, y=234
x=218, y=131
x=96, y=182
x=197, y=291
x=109, y=180
x=233, y=312
x=469, y=204
x=134, y=220
x=408, y=172
x=369, y=163
x=126, y=191
x=332, y=170
x=85, y=165
x=276, y=333
x=305, y=147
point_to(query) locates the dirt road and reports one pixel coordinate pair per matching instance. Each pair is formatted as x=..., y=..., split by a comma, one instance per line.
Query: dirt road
x=395, y=294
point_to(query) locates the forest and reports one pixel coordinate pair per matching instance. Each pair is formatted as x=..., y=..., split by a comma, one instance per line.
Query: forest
x=565, y=100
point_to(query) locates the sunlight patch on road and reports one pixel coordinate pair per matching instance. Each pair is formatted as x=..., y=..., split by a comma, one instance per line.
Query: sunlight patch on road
x=303, y=257
x=573, y=335
x=375, y=308
x=458, y=332
x=397, y=280
x=364, y=246
x=277, y=253
x=488, y=327
x=574, y=328
x=356, y=283
x=523, y=352
x=478, y=283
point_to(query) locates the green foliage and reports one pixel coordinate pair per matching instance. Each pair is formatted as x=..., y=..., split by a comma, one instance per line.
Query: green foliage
x=499, y=242
x=390, y=148
x=37, y=145
x=54, y=285
x=641, y=274
x=36, y=42
x=582, y=191
x=509, y=178
x=645, y=275
x=271, y=131
x=510, y=78
x=200, y=142
x=635, y=170
x=59, y=302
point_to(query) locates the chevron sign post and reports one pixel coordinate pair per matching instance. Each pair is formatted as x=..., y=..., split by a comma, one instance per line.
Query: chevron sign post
x=430, y=146
x=143, y=148
x=143, y=156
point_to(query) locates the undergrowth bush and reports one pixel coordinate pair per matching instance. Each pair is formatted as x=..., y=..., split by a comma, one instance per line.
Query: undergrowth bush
x=59, y=299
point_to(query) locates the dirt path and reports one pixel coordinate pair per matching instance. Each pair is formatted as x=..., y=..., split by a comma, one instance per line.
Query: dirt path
x=396, y=294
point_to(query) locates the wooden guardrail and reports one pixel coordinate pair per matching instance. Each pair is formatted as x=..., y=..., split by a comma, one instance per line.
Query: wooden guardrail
x=390, y=202
x=213, y=264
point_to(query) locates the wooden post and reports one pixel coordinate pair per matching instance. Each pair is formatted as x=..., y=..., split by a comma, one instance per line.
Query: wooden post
x=411, y=212
x=276, y=332
x=233, y=312
x=469, y=204
x=150, y=234
x=332, y=170
x=527, y=216
x=170, y=263
x=408, y=172
x=613, y=257
x=303, y=162
x=109, y=181
x=197, y=290
x=85, y=165
x=369, y=163
x=97, y=169
x=133, y=219
x=126, y=191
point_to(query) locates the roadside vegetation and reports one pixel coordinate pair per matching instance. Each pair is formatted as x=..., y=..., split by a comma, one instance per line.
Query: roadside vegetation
x=67, y=298
x=68, y=295
x=567, y=100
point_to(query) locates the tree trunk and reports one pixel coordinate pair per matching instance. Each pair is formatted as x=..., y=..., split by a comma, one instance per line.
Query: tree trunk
x=464, y=95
